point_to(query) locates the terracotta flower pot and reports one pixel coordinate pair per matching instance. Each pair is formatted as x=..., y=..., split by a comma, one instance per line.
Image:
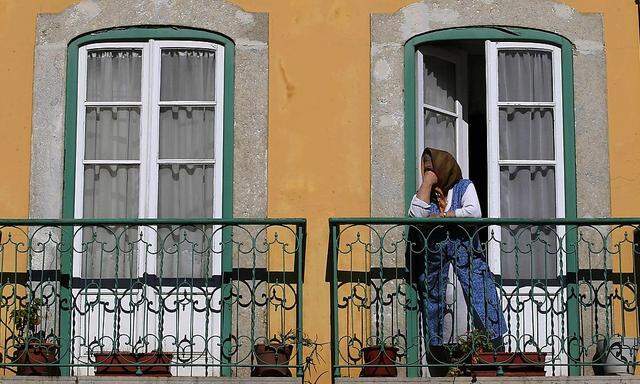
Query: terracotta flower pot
x=379, y=361
x=518, y=364
x=43, y=356
x=155, y=364
x=272, y=354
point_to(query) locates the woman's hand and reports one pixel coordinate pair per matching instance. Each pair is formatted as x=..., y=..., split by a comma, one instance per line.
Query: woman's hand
x=429, y=179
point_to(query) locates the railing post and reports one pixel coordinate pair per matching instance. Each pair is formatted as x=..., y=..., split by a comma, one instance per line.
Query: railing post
x=66, y=299
x=335, y=337
x=226, y=298
x=573, y=294
x=301, y=243
x=412, y=324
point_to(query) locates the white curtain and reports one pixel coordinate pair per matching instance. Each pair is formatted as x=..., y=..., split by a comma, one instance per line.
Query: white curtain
x=186, y=190
x=525, y=75
x=439, y=83
x=527, y=191
x=111, y=133
x=186, y=132
x=187, y=75
x=114, y=75
x=440, y=92
x=110, y=191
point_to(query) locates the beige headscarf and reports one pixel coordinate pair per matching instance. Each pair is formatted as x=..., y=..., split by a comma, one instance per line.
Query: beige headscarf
x=448, y=171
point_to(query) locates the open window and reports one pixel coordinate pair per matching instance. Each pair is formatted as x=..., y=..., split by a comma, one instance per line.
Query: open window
x=497, y=107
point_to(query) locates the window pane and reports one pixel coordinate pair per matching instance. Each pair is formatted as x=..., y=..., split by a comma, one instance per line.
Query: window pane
x=528, y=192
x=112, y=133
x=110, y=191
x=525, y=75
x=526, y=134
x=185, y=251
x=439, y=83
x=187, y=74
x=529, y=252
x=114, y=75
x=186, y=132
x=440, y=131
x=109, y=252
x=184, y=191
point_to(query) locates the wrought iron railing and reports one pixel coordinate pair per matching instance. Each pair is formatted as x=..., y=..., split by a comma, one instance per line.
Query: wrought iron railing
x=144, y=296
x=567, y=290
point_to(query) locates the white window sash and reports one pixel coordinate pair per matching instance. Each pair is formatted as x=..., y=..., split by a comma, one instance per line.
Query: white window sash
x=149, y=137
x=460, y=113
x=493, y=140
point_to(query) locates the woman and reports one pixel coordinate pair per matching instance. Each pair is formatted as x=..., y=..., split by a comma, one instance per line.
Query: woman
x=444, y=193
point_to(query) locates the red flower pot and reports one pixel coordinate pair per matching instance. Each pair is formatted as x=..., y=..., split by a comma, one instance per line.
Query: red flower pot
x=379, y=361
x=42, y=356
x=518, y=364
x=269, y=355
x=155, y=364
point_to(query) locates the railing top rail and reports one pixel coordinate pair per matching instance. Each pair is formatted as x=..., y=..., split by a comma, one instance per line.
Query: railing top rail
x=163, y=221
x=482, y=221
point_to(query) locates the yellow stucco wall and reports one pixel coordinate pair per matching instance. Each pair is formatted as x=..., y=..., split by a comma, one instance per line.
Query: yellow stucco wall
x=319, y=120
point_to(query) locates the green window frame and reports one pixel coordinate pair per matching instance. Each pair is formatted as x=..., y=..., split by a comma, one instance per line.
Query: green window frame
x=141, y=34
x=501, y=34
x=494, y=34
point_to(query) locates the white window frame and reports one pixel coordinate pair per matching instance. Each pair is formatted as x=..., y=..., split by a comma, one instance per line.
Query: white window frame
x=459, y=59
x=149, y=134
x=493, y=139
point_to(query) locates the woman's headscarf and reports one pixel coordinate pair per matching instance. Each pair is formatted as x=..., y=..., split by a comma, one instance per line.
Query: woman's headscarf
x=445, y=167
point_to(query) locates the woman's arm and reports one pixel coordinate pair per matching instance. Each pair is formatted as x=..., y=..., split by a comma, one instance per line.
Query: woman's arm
x=470, y=204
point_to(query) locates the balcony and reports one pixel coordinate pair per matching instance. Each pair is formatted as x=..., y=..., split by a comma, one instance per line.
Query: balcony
x=567, y=290
x=166, y=297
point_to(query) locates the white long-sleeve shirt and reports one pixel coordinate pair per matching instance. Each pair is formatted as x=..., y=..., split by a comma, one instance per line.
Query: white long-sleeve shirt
x=470, y=204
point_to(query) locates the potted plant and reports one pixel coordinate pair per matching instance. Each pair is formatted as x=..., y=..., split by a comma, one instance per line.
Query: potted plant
x=478, y=356
x=122, y=363
x=379, y=360
x=34, y=355
x=276, y=352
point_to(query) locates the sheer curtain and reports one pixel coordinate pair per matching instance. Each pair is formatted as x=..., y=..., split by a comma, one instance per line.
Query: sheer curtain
x=439, y=92
x=185, y=190
x=112, y=133
x=526, y=133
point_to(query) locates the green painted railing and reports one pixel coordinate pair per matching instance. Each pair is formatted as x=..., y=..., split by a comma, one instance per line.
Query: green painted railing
x=181, y=297
x=567, y=290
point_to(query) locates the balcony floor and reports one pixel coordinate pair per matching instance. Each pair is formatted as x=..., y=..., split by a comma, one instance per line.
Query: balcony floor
x=500, y=380
x=145, y=380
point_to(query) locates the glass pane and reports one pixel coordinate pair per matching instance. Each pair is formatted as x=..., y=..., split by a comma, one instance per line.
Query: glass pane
x=528, y=192
x=112, y=133
x=529, y=252
x=525, y=75
x=114, y=75
x=187, y=74
x=440, y=131
x=526, y=134
x=110, y=191
x=185, y=251
x=186, y=132
x=439, y=83
x=109, y=252
x=185, y=191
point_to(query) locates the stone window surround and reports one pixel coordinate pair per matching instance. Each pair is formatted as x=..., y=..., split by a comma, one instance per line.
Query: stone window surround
x=389, y=33
x=249, y=32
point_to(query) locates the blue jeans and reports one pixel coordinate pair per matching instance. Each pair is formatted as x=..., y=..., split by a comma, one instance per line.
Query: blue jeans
x=475, y=279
